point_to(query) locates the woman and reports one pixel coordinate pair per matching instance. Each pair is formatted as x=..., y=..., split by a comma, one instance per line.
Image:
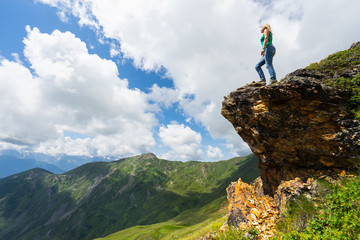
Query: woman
x=267, y=53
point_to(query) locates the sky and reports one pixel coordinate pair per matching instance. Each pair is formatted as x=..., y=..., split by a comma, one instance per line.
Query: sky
x=119, y=78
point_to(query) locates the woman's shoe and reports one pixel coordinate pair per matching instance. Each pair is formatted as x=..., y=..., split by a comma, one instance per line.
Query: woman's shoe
x=273, y=81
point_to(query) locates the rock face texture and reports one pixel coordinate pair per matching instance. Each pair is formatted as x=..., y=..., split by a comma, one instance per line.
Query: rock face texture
x=297, y=128
x=300, y=129
x=250, y=207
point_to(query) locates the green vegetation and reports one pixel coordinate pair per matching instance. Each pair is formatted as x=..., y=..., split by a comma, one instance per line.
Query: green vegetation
x=297, y=215
x=338, y=67
x=196, y=222
x=338, y=62
x=190, y=224
x=334, y=216
x=352, y=85
x=101, y=198
x=208, y=220
x=236, y=234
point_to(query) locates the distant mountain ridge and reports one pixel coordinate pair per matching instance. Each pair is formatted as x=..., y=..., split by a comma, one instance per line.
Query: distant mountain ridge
x=12, y=165
x=12, y=162
x=100, y=198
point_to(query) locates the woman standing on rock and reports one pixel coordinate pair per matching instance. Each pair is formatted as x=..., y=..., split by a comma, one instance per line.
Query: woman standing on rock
x=268, y=51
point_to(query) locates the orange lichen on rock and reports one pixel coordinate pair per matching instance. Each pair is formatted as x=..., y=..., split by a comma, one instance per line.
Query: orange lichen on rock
x=291, y=189
x=249, y=208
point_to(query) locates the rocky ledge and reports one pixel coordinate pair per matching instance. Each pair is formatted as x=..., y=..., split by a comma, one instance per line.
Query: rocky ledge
x=300, y=129
x=297, y=128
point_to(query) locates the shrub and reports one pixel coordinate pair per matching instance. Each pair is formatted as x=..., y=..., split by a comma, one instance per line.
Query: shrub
x=298, y=214
x=352, y=85
x=337, y=217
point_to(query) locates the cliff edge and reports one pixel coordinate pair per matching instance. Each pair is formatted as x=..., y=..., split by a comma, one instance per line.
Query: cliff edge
x=301, y=128
x=298, y=127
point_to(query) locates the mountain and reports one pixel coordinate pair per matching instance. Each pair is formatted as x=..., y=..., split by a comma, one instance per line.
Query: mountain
x=100, y=198
x=305, y=131
x=56, y=164
x=190, y=224
x=12, y=165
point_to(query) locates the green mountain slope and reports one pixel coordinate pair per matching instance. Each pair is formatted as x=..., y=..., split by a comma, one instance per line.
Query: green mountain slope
x=97, y=199
x=190, y=224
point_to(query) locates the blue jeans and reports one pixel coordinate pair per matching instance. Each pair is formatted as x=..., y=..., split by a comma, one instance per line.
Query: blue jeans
x=268, y=59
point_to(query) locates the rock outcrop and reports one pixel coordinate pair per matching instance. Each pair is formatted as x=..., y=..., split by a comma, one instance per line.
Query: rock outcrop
x=249, y=207
x=298, y=128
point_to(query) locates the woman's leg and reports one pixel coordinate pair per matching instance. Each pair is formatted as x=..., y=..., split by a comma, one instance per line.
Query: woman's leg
x=259, y=70
x=269, y=55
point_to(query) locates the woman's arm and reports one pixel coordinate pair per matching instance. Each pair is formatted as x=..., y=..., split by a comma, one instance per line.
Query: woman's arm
x=266, y=34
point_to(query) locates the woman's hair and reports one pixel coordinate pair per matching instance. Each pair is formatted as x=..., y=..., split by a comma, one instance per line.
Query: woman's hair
x=268, y=27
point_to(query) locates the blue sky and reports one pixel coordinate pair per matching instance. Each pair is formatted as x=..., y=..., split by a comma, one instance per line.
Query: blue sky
x=119, y=78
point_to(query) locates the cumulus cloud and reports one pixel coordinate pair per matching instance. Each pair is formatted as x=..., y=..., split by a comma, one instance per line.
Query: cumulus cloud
x=71, y=90
x=185, y=143
x=80, y=9
x=209, y=48
x=163, y=96
x=22, y=120
x=62, y=16
x=214, y=152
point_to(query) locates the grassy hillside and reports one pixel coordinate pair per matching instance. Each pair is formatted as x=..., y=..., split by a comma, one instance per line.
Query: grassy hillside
x=191, y=224
x=97, y=199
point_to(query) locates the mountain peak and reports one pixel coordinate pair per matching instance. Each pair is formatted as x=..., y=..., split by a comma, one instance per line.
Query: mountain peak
x=144, y=156
x=148, y=156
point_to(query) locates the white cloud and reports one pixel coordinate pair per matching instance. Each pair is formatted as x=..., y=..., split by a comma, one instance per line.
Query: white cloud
x=119, y=144
x=80, y=9
x=210, y=48
x=163, y=96
x=23, y=122
x=62, y=15
x=16, y=58
x=238, y=148
x=71, y=90
x=114, y=50
x=214, y=152
x=185, y=143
